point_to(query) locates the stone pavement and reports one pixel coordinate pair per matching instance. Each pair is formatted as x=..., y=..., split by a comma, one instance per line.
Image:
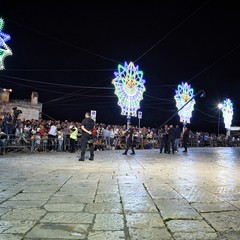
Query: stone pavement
x=149, y=196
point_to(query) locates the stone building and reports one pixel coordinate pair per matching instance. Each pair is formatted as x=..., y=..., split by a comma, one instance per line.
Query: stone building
x=31, y=109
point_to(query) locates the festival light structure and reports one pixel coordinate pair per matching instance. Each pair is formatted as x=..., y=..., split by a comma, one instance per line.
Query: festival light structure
x=4, y=49
x=227, y=110
x=129, y=88
x=185, y=102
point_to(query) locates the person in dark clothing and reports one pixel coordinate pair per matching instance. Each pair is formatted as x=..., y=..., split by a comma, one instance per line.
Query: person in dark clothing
x=171, y=139
x=3, y=137
x=87, y=126
x=8, y=123
x=164, y=139
x=185, y=138
x=129, y=140
x=161, y=138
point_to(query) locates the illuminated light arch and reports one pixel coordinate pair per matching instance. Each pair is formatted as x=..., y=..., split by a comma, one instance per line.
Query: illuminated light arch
x=183, y=94
x=129, y=88
x=227, y=110
x=4, y=49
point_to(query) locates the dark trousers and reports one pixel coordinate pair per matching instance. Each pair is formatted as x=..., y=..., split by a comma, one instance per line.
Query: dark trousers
x=129, y=144
x=163, y=144
x=84, y=142
x=72, y=145
x=185, y=145
x=51, y=142
x=171, y=144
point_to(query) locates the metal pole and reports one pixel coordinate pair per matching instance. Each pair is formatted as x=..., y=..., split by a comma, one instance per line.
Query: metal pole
x=218, y=120
x=184, y=125
x=139, y=123
x=128, y=121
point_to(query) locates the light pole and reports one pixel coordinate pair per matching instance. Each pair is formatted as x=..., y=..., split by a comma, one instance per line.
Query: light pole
x=220, y=106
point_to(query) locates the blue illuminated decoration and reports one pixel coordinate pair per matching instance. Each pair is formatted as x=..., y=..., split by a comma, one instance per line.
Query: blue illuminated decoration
x=4, y=49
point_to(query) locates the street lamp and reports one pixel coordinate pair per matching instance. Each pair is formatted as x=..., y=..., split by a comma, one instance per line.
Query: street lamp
x=220, y=106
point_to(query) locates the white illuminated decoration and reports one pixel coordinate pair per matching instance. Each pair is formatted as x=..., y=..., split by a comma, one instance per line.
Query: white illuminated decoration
x=227, y=110
x=183, y=96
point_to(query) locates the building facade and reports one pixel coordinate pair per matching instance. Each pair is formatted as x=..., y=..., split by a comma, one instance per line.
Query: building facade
x=30, y=109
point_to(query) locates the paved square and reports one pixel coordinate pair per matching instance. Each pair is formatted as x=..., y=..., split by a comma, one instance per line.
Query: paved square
x=148, y=196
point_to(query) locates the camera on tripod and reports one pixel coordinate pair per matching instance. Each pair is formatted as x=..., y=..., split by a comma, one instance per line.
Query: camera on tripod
x=16, y=112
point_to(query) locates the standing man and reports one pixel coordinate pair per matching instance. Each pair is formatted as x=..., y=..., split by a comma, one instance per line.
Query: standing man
x=164, y=139
x=129, y=140
x=185, y=138
x=7, y=123
x=87, y=126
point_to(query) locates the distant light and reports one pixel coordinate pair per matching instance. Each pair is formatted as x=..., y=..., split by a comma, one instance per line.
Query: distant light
x=4, y=49
x=6, y=90
x=220, y=105
x=183, y=94
x=129, y=87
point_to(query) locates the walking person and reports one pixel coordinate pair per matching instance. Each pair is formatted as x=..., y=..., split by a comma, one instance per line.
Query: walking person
x=178, y=133
x=87, y=126
x=185, y=138
x=129, y=140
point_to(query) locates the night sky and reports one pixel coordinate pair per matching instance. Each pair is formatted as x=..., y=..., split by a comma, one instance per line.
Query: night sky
x=69, y=52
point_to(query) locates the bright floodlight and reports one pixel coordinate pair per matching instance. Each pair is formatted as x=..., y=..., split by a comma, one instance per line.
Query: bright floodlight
x=183, y=95
x=129, y=87
x=227, y=110
x=220, y=105
x=4, y=49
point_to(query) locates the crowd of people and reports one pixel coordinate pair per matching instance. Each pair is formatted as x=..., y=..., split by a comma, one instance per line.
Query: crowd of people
x=55, y=135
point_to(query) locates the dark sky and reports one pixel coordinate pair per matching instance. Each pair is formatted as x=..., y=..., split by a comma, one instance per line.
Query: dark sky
x=68, y=53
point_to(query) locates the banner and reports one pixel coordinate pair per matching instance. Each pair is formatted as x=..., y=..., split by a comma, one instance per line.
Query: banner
x=93, y=115
x=139, y=114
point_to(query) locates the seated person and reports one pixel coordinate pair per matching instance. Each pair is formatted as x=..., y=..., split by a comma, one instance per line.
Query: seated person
x=98, y=144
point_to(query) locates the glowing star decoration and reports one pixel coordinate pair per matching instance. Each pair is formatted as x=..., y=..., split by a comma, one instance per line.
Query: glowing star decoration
x=129, y=87
x=183, y=94
x=4, y=49
x=227, y=110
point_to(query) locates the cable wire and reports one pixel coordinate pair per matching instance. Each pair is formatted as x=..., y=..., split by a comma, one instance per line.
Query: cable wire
x=171, y=31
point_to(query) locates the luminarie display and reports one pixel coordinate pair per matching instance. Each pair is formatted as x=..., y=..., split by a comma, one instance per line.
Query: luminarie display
x=4, y=49
x=129, y=87
x=227, y=110
x=183, y=96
